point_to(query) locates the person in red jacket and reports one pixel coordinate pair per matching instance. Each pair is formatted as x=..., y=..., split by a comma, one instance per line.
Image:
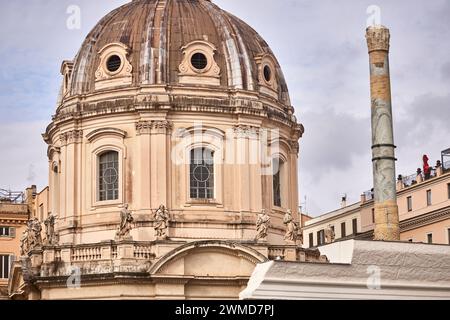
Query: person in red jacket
x=426, y=167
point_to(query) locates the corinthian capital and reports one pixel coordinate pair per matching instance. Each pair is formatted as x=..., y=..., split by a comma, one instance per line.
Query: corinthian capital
x=378, y=38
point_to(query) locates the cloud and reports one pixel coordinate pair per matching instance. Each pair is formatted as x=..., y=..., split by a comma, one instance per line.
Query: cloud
x=321, y=48
x=24, y=161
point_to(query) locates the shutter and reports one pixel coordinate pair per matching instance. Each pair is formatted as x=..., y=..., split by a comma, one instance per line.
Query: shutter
x=12, y=232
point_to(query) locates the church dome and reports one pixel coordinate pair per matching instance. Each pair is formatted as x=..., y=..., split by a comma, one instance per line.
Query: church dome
x=174, y=43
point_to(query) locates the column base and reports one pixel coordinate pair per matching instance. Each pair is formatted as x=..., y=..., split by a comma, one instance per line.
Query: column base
x=387, y=226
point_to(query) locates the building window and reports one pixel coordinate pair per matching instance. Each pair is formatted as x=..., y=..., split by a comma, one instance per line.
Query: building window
x=448, y=190
x=430, y=238
x=278, y=166
x=355, y=226
x=311, y=240
x=5, y=264
x=108, y=176
x=429, y=202
x=448, y=235
x=373, y=215
x=4, y=231
x=199, y=61
x=320, y=237
x=343, y=231
x=202, y=173
x=409, y=203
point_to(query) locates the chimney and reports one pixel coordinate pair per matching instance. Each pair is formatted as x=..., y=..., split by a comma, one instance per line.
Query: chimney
x=344, y=201
x=383, y=148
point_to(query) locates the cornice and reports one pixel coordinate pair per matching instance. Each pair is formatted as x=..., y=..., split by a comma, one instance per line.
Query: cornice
x=425, y=219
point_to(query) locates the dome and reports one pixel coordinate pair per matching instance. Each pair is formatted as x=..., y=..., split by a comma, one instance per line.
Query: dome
x=188, y=43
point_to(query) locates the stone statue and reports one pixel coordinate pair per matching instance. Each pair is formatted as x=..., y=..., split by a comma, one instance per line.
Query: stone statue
x=24, y=243
x=36, y=230
x=126, y=224
x=162, y=218
x=50, y=229
x=291, y=227
x=31, y=237
x=329, y=235
x=262, y=226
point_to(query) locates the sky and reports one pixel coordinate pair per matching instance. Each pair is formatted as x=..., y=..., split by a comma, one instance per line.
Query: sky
x=322, y=50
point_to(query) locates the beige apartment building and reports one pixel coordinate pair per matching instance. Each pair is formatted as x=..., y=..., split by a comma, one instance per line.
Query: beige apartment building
x=424, y=211
x=14, y=214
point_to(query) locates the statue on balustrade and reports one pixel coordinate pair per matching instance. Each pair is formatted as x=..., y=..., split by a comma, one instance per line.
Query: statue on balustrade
x=291, y=228
x=50, y=230
x=329, y=234
x=24, y=240
x=31, y=237
x=262, y=226
x=162, y=218
x=126, y=224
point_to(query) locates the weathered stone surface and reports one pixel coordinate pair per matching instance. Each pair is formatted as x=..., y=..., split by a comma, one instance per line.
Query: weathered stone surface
x=407, y=271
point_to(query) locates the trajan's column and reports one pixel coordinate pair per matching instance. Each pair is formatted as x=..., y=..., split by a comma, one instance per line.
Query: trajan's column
x=383, y=148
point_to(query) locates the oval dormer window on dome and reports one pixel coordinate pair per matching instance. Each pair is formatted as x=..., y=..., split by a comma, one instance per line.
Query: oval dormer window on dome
x=198, y=65
x=267, y=73
x=268, y=83
x=114, y=69
x=199, y=61
x=113, y=63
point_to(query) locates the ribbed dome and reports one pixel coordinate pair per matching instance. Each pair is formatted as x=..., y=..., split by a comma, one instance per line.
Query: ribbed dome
x=155, y=33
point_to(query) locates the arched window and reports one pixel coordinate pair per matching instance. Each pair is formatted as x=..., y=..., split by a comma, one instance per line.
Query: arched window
x=108, y=179
x=277, y=169
x=202, y=173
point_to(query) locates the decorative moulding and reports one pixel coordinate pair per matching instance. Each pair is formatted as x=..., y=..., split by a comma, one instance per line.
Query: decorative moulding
x=268, y=85
x=105, y=132
x=210, y=75
x=104, y=78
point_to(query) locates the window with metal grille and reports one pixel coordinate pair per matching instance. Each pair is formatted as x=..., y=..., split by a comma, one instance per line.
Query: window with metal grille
x=278, y=167
x=5, y=264
x=4, y=231
x=108, y=178
x=113, y=64
x=199, y=61
x=202, y=173
x=430, y=238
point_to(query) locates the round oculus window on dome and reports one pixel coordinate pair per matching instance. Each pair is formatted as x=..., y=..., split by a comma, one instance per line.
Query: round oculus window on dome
x=113, y=63
x=267, y=73
x=199, y=61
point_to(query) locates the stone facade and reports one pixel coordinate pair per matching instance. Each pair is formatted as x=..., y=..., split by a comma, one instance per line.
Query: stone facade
x=131, y=119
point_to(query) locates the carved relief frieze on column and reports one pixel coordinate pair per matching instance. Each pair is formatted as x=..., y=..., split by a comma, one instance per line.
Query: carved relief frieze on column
x=143, y=127
x=69, y=137
x=162, y=127
x=246, y=131
x=295, y=146
x=156, y=126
